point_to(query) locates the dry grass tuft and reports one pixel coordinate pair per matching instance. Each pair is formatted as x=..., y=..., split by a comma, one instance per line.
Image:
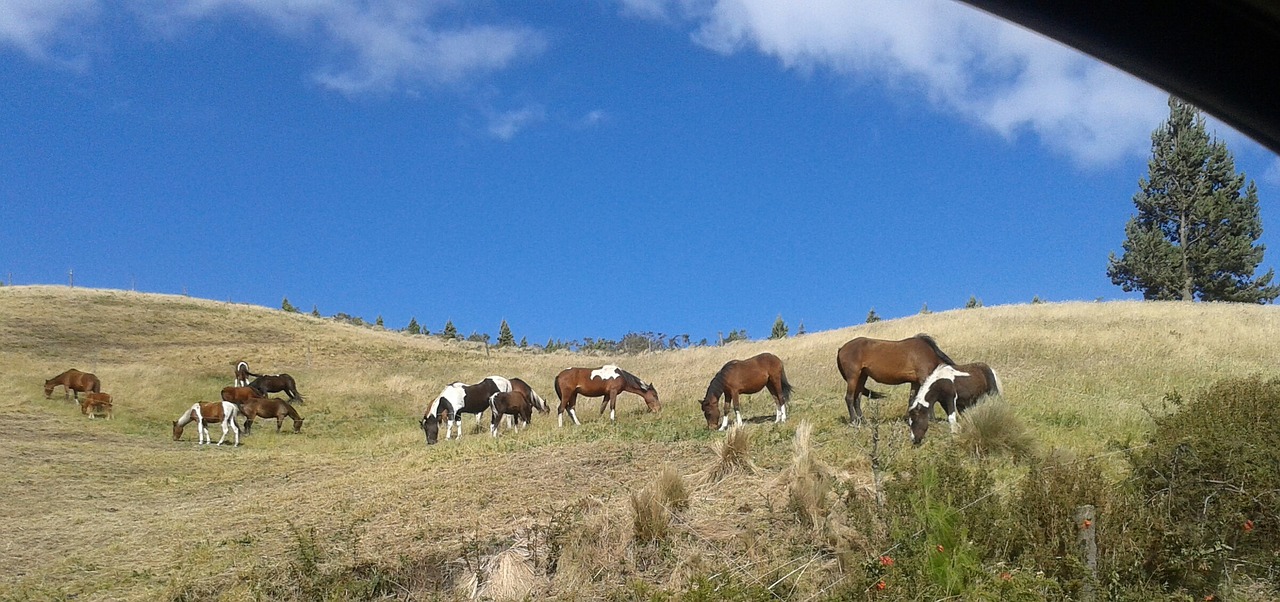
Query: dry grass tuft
x=810, y=492
x=651, y=520
x=993, y=428
x=671, y=488
x=733, y=455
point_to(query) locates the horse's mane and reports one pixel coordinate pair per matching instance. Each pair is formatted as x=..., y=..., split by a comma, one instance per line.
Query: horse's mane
x=634, y=380
x=716, y=388
x=938, y=350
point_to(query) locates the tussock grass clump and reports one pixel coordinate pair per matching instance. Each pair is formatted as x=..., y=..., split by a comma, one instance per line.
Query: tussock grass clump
x=992, y=428
x=506, y=575
x=733, y=455
x=810, y=493
x=652, y=520
x=671, y=488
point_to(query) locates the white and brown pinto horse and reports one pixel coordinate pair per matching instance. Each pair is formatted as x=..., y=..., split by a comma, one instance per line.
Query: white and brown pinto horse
x=975, y=382
x=457, y=399
x=223, y=412
x=608, y=381
x=243, y=374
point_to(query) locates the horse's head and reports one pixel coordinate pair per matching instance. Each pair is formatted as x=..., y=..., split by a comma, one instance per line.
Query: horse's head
x=650, y=396
x=920, y=414
x=48, y=388
x=297, y=425
x=431, y=428
x=711, y=409
x=177, y=431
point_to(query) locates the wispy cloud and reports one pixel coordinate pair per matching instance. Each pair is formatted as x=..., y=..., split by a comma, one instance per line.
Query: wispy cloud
x=38, y=27
x=997, y=74
x=591, y=119
x=377, y=45
x=504, y=126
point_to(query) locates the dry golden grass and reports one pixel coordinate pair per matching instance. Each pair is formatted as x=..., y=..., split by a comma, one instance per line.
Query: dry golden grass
x=115, y=510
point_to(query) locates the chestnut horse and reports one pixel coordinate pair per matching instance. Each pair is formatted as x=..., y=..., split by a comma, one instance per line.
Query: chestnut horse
x=267, y=408
x=607, y=381
x=746, y=376
x=457, y=399
x=910, y=360
x=534, y=399
x=223, y=412
x=243, y=374
x=74, y=382
x=969, y=387
x=239, y=395
x=511, y=403
x=96, y=404
x=275, y=383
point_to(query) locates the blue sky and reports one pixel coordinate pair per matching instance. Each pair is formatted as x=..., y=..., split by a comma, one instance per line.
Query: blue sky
x=577, y=168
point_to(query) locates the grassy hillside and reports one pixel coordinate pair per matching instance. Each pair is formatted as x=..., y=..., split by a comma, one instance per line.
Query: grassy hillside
x=117, y=510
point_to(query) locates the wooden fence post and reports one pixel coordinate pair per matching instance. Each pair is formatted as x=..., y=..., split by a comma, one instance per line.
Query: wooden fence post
x=1086, y=536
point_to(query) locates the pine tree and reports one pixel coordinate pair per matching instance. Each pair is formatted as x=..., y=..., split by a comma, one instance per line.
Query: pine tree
x=413, y=327
x=872, y=316
x=287, y=306
x=315, y=311
x=924, y=310
x=505, y=338
x=800, y=329
x=450, y=332
x=378, y=322
x=973, y=302
x=1194, y=234
x=779, y=329
x=524, y=342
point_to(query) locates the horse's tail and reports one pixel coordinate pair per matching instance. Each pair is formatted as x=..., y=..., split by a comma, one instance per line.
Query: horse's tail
x=937, y=350
x=559, y=391
x=873, y=394
x=996, y=387
x=538, y=402
x=786, y=386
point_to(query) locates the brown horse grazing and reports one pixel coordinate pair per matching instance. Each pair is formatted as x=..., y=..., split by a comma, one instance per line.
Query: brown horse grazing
x=267, y=408
x=96, y=404
x=275, y=383
x=746, y=376
x=223, y=412
x=955, y=396
x=510, y=403
x=73, y=381
x=239, y=395
x=910, y=360
x=607, y=381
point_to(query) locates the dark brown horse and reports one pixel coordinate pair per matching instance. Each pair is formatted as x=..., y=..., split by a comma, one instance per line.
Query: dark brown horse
x=267, y=408
x=746, y=376
x=534, y=399
x=96, y=404
x=966, y=389
x=239, y=395
x=275, y=383
x=511, y=403
x=74, y=382
x=910, y=360
x=607, y=381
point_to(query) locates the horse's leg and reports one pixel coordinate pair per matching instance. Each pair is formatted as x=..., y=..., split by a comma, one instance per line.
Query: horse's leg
x=612, y=399
x=780, y=413
x=494, y=421
x=949, y=406
x=278, y=423
x=853, y=396
x=570, y=403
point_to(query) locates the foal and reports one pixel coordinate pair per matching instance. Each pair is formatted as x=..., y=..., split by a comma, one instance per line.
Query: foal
x=511, y=403
x=96, y=404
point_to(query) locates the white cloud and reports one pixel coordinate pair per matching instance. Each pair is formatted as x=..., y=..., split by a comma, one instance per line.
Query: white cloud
x=35, y=27
x=377, y=45
x=505, y=126
x=997, y=74
x=592, y=119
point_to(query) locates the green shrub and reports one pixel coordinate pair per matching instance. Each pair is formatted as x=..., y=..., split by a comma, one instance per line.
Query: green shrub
x=1206, y=492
